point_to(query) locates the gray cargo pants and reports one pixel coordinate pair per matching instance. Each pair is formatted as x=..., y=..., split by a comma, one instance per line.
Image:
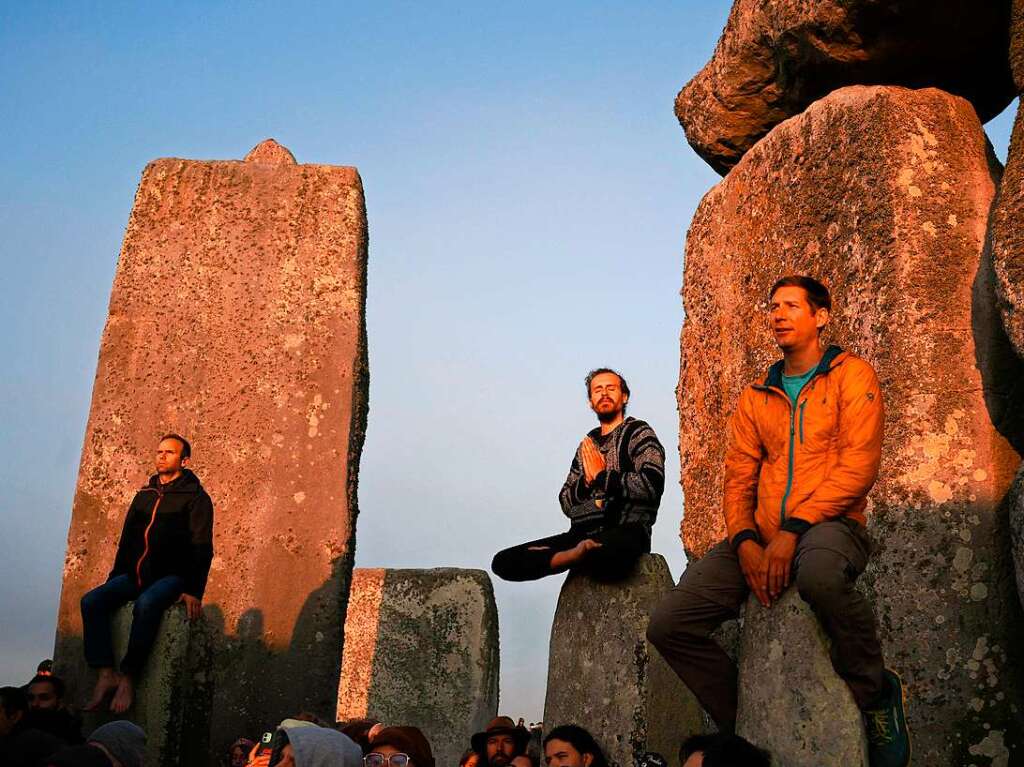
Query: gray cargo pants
x=828, y=559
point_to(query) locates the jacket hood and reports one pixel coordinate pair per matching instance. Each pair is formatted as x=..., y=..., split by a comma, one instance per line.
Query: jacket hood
x=323, y=747
x=828, y=359
x=188, y=482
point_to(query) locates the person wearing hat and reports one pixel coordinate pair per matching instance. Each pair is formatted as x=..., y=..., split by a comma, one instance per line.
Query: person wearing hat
x=501, y=742
x=399, y=747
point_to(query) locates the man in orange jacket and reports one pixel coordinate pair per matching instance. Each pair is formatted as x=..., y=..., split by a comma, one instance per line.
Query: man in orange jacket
x=804, y=450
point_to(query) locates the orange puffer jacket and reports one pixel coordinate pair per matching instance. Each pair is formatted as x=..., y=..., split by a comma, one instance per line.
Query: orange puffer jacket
x=791, y=468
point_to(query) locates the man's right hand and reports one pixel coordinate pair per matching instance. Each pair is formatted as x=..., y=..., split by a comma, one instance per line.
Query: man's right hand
x=754, y=565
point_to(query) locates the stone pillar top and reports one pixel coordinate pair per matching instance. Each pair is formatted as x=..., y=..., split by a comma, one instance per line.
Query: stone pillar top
x=269, y=152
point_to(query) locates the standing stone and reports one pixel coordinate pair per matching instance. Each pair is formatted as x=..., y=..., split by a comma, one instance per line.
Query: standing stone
x=775, y=57
x=606, y=677
x=791, y=701
x=883, y=193
x=237, y=319
x=421, y=649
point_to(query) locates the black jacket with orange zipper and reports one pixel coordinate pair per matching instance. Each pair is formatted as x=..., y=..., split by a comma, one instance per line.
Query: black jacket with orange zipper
x=168, y=531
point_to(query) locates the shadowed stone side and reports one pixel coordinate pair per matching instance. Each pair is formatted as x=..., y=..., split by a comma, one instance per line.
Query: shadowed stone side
x=1015, y=502
x=884, y=194
x=606, y=677
x=173, y=698
x=237, y=318
x=775, y=57
x=791, y=701
x=1007, y=235
x=421, y=649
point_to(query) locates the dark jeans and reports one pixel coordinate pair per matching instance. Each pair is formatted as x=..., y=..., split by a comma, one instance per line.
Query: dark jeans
x=99, y=606
x=828, y=559
x=620, y=548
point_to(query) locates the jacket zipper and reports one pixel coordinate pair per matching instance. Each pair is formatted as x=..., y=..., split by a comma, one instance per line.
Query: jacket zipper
x=145, y=539
x=792, y=455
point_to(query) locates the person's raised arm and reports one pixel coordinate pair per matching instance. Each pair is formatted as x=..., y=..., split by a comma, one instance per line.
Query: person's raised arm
x=574, y=491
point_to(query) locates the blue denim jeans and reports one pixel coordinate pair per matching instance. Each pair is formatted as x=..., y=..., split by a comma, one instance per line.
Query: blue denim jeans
x=99, y=606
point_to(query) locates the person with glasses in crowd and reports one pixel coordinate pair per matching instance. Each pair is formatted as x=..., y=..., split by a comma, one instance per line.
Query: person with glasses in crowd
x=399, y=747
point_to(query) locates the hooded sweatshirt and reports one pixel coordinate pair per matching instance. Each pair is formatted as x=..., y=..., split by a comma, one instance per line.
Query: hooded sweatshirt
x=168, y=531
x=323, y=747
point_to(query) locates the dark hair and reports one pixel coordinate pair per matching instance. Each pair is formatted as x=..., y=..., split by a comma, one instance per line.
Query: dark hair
x=575, y=735
x=186, y=448
x=467, y=756
x=598, y=371
x=817, y=294
x=12, y=700
x=722, y=750
x=56, y=681
x=359, y=731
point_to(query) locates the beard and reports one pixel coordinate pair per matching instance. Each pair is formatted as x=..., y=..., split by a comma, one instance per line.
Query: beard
x=500, y=759
x=607, y=414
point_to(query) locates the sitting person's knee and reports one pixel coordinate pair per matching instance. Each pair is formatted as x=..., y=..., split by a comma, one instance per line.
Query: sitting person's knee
x=147, y=604
x=820, y=577
x=89, y=601
x=500, y=562
x=666, y=624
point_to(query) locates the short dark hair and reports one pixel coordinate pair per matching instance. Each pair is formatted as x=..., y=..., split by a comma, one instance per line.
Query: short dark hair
x=56, y=681
x=12, y=700
x=186, y=448
x=575, y=735
x=721, y=750
x=817, y=294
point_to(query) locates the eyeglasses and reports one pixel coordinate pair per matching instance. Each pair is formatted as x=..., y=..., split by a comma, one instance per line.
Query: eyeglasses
x=376, y=759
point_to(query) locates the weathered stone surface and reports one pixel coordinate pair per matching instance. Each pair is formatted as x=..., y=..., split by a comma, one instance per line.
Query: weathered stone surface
x=883, y=193
x=421, y=649
x=775, y=57
x=1007, y=235
x=237, y=319
x=173, y=698
x=1015, y=503
x=605, y=676
x=791, y=701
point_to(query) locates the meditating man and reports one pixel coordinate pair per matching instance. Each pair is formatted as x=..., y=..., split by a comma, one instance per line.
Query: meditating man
x=611, y=495
x=163, y=557
x=804, y=450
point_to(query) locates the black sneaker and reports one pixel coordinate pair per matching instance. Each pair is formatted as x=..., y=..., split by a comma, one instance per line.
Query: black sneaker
x=886, y=726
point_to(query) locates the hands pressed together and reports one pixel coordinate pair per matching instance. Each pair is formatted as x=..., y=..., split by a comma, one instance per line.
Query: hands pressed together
x=593, y=460
x=768, y=569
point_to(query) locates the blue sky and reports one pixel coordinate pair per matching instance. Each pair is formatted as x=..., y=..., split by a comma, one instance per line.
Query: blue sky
x=528, y=191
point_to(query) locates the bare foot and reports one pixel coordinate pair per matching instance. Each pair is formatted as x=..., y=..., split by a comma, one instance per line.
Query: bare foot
x=124, y=696
x=105, y=686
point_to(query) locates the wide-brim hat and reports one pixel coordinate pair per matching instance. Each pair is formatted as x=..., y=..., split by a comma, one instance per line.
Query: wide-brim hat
x=501, y=725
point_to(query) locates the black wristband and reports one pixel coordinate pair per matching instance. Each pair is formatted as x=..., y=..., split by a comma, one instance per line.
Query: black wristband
x=744, y=535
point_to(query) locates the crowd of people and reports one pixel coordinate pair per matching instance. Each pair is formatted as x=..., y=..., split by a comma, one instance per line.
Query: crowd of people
x=307, y=741
x=39, y=729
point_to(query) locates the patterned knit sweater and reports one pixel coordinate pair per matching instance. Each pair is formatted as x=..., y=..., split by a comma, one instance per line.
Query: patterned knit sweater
x=628, y=490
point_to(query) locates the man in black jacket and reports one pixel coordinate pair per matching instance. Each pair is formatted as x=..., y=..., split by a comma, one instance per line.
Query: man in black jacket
x=163, y=557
